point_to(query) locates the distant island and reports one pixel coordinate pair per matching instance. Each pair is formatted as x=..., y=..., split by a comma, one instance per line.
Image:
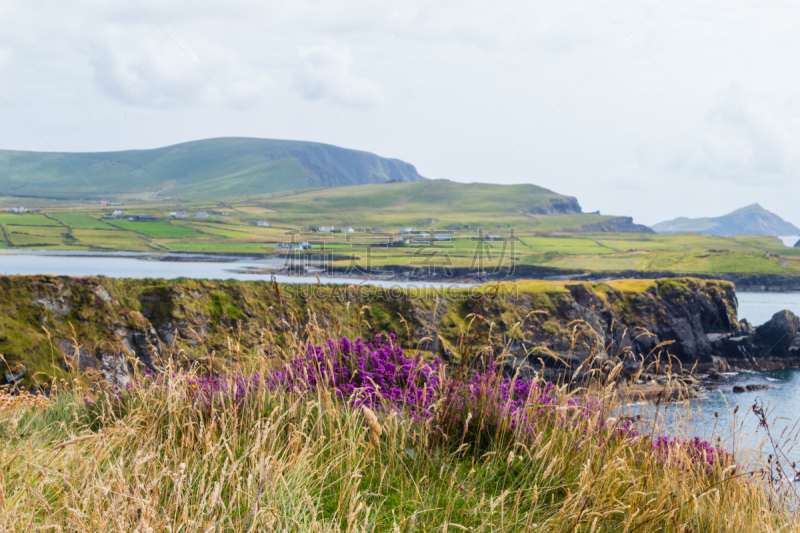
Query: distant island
x=752, y=220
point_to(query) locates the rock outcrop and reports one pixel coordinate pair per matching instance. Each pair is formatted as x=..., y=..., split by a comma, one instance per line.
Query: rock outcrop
x=615, y=225
x=557, y=206
x=56, y=325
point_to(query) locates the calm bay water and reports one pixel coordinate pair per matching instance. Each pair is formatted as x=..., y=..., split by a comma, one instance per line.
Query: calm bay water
x=140, y=265
x=758, y=307
x=740, y=430
x=696, y=417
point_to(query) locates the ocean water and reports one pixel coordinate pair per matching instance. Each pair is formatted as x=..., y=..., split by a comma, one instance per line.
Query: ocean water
x=758, y=307
x=742, y=429
x=197, y=266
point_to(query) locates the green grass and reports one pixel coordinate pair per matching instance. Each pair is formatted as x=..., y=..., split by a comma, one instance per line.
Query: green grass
x=81, y=221
x=154, y=229
x=26, y=220
x=111, y=240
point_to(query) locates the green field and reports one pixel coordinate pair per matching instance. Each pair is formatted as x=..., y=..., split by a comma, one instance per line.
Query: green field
x=552, y=241
x=81, y=222
x=26, y=220
x=154, y=229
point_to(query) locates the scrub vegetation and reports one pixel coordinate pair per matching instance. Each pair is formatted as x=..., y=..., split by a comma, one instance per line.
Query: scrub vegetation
x=340, y=435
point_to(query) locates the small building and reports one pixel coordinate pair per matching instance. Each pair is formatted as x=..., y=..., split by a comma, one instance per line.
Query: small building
x=141, y=218
x=263, y=223
x=114, y=203
x=326, y=228
x=177, y=214
x=348, y=229
x=302, y=247
x=404, y=231
x=220, y=213
x=202, y=214
x=17, y=210
x=116, y=213
x=441, y=236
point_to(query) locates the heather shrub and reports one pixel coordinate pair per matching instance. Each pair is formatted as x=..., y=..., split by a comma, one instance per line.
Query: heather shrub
x=361, y=436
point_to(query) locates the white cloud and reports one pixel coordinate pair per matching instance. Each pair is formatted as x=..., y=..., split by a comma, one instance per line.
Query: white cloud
x=326, y=73
x=453, y=94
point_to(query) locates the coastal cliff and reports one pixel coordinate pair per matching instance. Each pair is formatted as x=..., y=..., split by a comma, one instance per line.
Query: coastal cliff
x=53, y=325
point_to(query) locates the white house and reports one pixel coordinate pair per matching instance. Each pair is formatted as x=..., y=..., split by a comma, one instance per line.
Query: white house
x=202, y=214
x=17, y=210
x=302, y=247
x=406, y=230
x=326, y=228
x=177, y=214
x=348, y=229
x=263, y=223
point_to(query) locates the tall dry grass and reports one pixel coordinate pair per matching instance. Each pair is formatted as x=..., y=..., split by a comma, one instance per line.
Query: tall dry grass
x=273, y=459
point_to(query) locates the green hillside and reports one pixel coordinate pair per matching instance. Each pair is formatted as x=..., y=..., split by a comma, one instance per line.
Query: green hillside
x=429, y=199
x=208, y=168
x=750, y=220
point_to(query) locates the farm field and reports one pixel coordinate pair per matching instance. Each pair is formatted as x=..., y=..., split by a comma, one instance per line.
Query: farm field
x=551, y=241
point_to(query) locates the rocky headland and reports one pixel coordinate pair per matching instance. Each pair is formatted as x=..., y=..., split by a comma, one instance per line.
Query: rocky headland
x=655, y=329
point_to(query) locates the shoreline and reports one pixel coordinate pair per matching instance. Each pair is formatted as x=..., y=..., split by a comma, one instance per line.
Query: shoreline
x=752, y=282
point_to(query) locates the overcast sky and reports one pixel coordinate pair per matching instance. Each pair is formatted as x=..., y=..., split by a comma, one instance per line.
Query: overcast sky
x=654, y=109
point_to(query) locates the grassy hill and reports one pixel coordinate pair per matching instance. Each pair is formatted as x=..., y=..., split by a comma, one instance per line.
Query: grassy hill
x=200, y=169
x=752, y=220
x=421, y=203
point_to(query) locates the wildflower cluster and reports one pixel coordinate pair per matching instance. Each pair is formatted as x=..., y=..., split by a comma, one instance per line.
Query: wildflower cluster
x=691, y=452
x=215, y=390
x=376, y=374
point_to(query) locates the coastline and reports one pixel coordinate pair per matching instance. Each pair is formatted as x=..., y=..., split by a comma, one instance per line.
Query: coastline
x=745, y=282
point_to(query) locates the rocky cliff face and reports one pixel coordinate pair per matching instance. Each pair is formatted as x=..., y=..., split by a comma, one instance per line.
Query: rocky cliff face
x=104, y=327
x=615, y=225
x=558, y=206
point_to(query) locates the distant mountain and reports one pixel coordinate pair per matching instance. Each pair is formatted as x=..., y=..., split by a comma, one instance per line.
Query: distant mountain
x=752, y=220
x=199, y=169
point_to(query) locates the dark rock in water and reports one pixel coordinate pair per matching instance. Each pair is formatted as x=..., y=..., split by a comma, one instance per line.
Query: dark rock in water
x=720, y=364
x=715, y=376
x=736, y=345
x=750, y=388
x=776, y=337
